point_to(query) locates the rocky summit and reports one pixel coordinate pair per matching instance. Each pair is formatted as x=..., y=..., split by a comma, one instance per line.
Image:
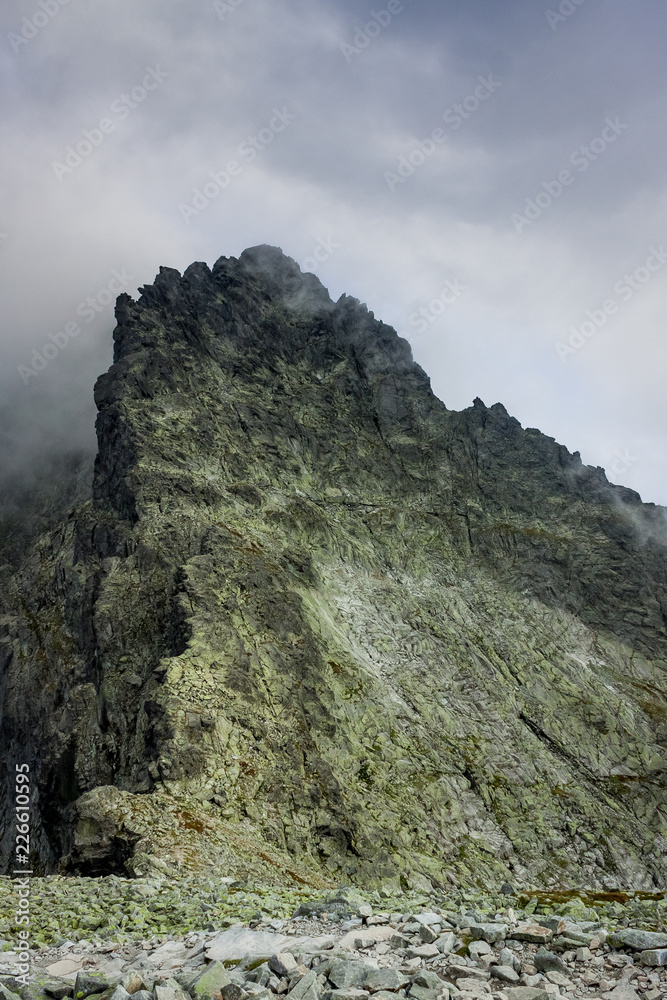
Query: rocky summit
x=312, y=627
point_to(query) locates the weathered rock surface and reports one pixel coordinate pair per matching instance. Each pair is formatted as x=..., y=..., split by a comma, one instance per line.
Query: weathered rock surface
x=638, y=940
x=239, y=942
x=313, y=620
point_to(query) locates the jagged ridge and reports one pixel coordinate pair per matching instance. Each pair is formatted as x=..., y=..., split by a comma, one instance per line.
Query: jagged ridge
x=309, y=601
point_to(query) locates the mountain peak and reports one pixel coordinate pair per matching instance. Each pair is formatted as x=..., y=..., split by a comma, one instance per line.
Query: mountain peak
x=310, y=602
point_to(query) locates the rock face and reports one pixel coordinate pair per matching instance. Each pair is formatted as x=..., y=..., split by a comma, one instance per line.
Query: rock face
x=310, y=606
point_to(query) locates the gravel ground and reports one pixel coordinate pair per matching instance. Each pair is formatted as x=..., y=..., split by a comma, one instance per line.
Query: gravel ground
x=126, y=936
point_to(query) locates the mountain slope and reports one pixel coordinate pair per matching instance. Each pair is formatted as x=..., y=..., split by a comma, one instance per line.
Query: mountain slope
x=310, y=606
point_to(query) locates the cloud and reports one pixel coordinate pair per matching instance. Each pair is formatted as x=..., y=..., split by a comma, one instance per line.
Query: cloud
x=321, y=180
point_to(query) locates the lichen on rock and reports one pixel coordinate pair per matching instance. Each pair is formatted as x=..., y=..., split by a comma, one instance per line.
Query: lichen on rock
x=313, y=620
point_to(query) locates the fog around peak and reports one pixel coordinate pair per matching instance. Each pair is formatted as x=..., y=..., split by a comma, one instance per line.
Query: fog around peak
x=519, y=252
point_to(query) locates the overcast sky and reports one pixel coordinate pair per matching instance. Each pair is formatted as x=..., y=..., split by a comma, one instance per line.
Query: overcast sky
x=487, y=175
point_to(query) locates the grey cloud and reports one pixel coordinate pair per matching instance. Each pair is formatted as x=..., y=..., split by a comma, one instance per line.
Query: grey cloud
x=322, y=179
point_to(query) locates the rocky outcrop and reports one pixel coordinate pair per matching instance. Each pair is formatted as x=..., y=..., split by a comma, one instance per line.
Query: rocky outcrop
x=383, y=638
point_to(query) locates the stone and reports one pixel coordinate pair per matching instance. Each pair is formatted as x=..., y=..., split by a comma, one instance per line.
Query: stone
x=198, y=949
x=563, y=943
x=305, y=988
x=239, y=943
x=427, y=934
x=283, y=963
x=508, y=957
x=622, y=991
x=350, y=993
x=654, y=956
x=168, y=952
x=65, y=966
x=548, y=961
x=346, y=972
x=117, y=993
x=505, y=973
x=446, y=943
x=489, y=932
x=558, y=978
x=525, y=993
x=7, y=994
x=554, y=923
x=572, y=937
x=424, y=951
x=110, y=967
x=35, y=990
x=396, y=941
x=583, y=954
x=454, y=971
x=58, y=989
x=261, y=974
x=477, y=948
x=428, y=980
x=526, y=979
x=365, y=937
x=475, y=986
x=169, y=990
x=411, y=926
x=384, y=979
x=532, y=933
x=427, y=918
x=423, y=993
x=294, y=976
x=86, y=984
x=638, y=940
x=210, y=981
x=132, y=982
x=364, y=910
x=232, y=992
x=590, y=977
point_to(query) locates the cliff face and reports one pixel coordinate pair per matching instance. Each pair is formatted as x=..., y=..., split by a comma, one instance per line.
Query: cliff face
x=314, y=623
